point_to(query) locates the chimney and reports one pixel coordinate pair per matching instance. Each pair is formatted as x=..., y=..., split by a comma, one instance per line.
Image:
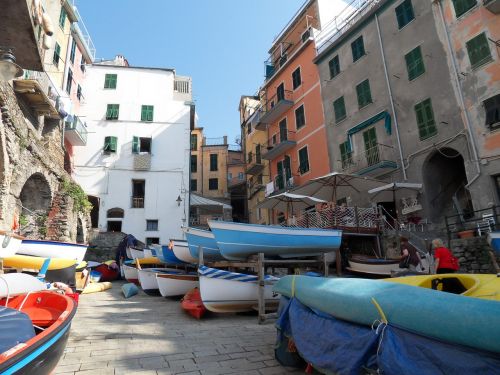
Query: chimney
x=225, y=139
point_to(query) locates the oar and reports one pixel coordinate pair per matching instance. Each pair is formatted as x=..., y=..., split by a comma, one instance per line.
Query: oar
x=43, y=270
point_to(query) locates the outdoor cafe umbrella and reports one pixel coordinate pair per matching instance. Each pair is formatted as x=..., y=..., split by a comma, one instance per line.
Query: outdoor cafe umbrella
x=288, y=201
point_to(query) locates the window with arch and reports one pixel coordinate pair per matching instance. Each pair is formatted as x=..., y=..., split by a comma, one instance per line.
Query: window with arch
x=115, y=213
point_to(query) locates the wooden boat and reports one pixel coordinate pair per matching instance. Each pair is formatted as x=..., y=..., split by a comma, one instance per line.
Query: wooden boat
x=107, y=271
x=448, y=317
x=224, y=291
x=9, y=244
x=13, y=284
x=494, y=241
x=53, y=249
x=130, y=270
x=181, y=251
x=171, y=285
x=372, y=266
x=237, y=241
x=192, y=303
x=147, y=279
x=166, y=255
x=35, y=328
x=205, y=239
x=36, y=263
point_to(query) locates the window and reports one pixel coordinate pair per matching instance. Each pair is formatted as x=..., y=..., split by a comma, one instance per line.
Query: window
x=241, y=176
x=274, y=139
x=345, y=155
x=283, y=130
x=62, y=17
x=280, y=92
x=194, y=142
x=82, y=64
x=194, y=163
x=492, y=108
x=425, y=119
x=69, y=82
x=334, y=66
x=112, y=111
x=303, y=160
x=110, y=144
x=194, y=185
x=73, y=51
x=213, y=184
x=339, y=109
x=249, y=128
x=138, y=193
x=57, y=54
x=79, y=92
x=141, y=145
x=300, y=117
x=151, y=225
x=404, y=13
x=147, y=113
x=229, y=176
x=110, y=81
x=462, y=6
x=358, y=49
x=478, y=50
x=152, y=241
x=296, y=78
x=115, y=213
x=114, y=226
x=364, y=93
x=213, y=162
x=371, y=146
x=414, y=63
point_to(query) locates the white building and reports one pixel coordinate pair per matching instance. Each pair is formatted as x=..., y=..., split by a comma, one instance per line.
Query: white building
x=135, y=166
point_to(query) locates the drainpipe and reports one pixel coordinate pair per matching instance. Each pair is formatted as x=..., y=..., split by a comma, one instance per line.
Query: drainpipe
x=468, y=125
x=396, y=125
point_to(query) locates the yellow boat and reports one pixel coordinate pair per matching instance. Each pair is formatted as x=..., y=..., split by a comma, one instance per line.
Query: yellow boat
x=484, y=286
x=96, y=287
x=35, y=263
x=149, y=260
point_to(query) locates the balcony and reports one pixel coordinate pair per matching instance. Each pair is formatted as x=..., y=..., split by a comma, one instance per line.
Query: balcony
x=75, y=131
x=279, y=143
x=142, y=161
x=254, y=188
x=281, y=182
x=273, y=108
x=182, y=88
x=492, y=5
x=254, y=163
x=37, y=90
x=374, y=162
x=137, y=202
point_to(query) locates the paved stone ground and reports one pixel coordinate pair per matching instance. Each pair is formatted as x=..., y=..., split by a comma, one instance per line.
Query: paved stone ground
x=153, y=336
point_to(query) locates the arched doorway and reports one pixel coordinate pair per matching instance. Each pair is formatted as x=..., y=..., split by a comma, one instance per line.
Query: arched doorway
x=36, y=200
x=116, y=215
x=94, y=213
x=80, y=236
x=445, y=180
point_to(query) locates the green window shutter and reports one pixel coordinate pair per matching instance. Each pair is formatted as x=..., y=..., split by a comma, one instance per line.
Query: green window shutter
x=287, y=165
x=110, y=81
x=414, y=63
x=62, y=17
x=57, y=54
x=339, y=109
x=110, y=144
x=300, y=117
x=136, y=143
x=334, y=66
x=478, y=50
x=194, y=142
x=303, y=160
x=371, y=146
x=462, y=6
x=425, y=119
x=364, y=93
x=147, y=113
x=345, y=155
x=404, y=13
x=112, y=111
x=73, y=51
x=358, y=49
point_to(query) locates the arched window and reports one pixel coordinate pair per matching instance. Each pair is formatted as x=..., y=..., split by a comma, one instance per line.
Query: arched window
x=115, y=213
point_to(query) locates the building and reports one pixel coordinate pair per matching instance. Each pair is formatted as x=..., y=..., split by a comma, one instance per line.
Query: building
x=390, y=106
x=134, y=166
x=470, y=33
x=291, y=111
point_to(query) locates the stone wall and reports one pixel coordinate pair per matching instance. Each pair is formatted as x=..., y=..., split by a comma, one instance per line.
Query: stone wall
x=473, y=255
x=102, y=246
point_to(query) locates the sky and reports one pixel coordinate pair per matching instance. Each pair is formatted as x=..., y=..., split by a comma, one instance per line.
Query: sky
x=221, y=44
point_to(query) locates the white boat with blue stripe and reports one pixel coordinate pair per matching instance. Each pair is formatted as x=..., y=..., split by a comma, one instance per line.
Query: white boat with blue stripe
x=204, y=238
x=53, y=249
x=224, y=291
x=238, y=241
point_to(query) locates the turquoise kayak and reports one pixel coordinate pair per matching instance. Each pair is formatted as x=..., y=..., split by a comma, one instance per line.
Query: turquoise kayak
x=448, y=317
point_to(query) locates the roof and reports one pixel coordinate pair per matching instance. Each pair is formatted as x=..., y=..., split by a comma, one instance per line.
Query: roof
x=198, y=200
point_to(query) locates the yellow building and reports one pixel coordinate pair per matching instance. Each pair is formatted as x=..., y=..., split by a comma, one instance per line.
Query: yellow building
x=257, y=169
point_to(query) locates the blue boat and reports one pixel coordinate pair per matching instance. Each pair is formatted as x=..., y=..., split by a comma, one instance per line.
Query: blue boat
x=166, y=255
x=494, y=241
x=204, y=238
x=238, y=241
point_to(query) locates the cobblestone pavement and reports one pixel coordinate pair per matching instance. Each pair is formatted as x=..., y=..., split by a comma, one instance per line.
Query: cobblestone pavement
x=153, y=336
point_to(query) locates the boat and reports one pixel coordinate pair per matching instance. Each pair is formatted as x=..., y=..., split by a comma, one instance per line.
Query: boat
x=35, y=328
x=109, y=271
x=147, y=279
x=494, y=241
x=181, y=251
x=192, y=303
x=223, y=291
x=445, y=317
x=172, y=285
x=9, y=244
x=96, y=287
x=130, y=270
x=205, y=239
x=13, y=284
x=166, y=255
x=36, y=263
x=372, y=266
x=53, y=249
x=238, y=241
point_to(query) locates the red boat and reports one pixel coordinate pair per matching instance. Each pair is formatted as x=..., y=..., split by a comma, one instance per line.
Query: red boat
x=35, y=328
x=192, y=303
x=109, y=272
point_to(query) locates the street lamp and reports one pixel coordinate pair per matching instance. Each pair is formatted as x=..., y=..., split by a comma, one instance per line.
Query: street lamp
x=178, y=200
x=8, y=67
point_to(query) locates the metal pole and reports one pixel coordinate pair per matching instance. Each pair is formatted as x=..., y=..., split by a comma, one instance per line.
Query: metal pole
x=262, y=302
x=200, y=255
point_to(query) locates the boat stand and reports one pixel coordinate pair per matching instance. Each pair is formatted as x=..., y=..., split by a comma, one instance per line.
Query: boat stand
x=260, y=263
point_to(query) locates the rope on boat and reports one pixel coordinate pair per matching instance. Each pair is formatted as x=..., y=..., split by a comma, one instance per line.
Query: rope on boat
x=380, y=311
x=293, y=286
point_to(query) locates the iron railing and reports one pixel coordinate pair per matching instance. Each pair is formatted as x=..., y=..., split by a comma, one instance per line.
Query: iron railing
x=78, y=126
x=484, y=220
x=369, y=157
x=137, y=202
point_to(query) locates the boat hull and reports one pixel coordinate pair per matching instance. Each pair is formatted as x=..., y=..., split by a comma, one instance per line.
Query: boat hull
x=373, y=266
x=9, y=244
x=36, y=263
x=205, y=239
x=181, y=251
x=130, y=274
x=494, y=241
x=166, y=255
x=176, y=285
x=192, y=304
x=238, y=241
x=230, y=292
x=147, y=279
x=53, y=249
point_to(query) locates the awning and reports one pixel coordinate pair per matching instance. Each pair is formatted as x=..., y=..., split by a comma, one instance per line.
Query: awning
x=372, y=120
x=199, y=201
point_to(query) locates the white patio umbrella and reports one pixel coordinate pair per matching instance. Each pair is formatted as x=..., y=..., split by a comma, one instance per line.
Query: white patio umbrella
x=388, y=192
x=337, y=185
x=288, y=202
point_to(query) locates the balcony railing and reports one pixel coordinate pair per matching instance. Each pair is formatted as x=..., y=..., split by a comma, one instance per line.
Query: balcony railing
x=182, y=88
x=37, y=89
x=374, y=161
x=274, y=107
x=279, y=143
x=75, y=131
x=254, y=162
x=137, y=202
x=281, y=182
x=142, y=161
x=492, y=5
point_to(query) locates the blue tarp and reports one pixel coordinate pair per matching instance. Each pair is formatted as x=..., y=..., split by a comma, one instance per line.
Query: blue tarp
x=15, y=327
x=335, y=346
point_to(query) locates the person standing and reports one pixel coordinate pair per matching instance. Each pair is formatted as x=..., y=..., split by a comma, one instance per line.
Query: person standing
x=409, y=256
x=445, y=261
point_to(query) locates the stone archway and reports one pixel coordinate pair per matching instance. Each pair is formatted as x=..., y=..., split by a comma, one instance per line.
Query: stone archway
x=445, y=179
x=35, y=199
